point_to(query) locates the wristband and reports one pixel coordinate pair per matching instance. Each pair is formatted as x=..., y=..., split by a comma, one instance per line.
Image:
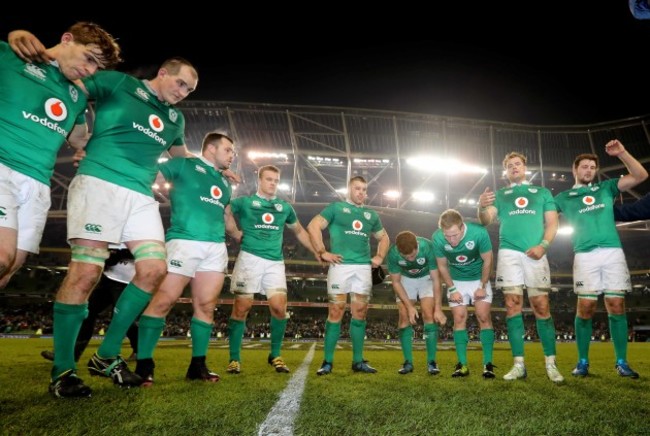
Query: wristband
x=482, y=209
x=544, y=244
x=452, y=289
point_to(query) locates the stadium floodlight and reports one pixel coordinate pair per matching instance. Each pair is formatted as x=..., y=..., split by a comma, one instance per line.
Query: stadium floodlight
x=423, y=196
x=284, y=187
x=253, y=155
x=392, y=193
x=163, y=159
x=566, y=230
x=321, y=161
x=155, y=186
x=445, y=166
x=343, y=191
x=371, y=163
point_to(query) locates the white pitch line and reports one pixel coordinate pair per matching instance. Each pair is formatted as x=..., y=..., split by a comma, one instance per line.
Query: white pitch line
x=279, y=421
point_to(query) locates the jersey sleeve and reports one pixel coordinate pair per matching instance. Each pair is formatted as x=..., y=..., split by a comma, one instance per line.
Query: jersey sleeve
x=180, y=140
x=328, y=212
x=549, y=202
x=103, y=83
x=393, y=267
x=376, y=225
x=291, y=217
x=558, y=202
x=437, y=244
x=171, y=168
x=236, y=205
x=612, y=186
x=484, y=244
x=431, y=258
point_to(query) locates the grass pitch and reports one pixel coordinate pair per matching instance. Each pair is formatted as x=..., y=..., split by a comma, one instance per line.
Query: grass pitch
x=342, y=403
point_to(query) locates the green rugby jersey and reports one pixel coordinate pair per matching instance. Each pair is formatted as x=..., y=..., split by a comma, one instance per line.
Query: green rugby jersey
x=38, y=109
x=199, y=194
x=132, y=129
x=350, y=227
x=521, y=214
x=464, y=260
x=262, y=221
x=424, y=262
x=589, y=211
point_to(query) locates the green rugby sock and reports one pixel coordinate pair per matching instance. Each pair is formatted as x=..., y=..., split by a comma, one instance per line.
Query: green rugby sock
x=332, y=333
x=201, y=332
x=67, y=323
x=235, y=337
x=149, y=330
x=460, y=340
x=278, y=327
x=406, y=340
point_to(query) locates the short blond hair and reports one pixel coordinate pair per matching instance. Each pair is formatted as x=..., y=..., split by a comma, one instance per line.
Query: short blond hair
x=450, y=218
x=271, y=168
x=513, y=155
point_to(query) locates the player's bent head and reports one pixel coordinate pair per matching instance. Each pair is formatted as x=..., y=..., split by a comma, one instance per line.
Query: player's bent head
x=90, y=34
x=216, y=139
x=406, y=242
x=450, y=218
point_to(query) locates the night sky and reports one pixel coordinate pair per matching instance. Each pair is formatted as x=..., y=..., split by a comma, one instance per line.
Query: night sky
x=539, y=63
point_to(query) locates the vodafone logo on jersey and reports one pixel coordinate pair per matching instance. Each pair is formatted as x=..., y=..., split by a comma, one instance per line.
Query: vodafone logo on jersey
x=268, y=218
x=55, y=109
x=216, y=192
x=156, y=123
x=357, y=225
x=521, y=202
x=461, y=259
x=588, y=200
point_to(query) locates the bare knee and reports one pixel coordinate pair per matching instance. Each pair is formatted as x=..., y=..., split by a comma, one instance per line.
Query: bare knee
x=149, y=274
x=6, y=261
x=335, y=312
x=513, y=304
x=586, y=308
x=241, y=307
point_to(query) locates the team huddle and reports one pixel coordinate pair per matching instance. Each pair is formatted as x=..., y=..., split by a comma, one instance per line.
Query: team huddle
x=43, y=104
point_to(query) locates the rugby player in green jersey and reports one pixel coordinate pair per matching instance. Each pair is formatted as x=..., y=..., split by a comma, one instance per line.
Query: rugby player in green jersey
x=259, y=268
x=464, y=255
x=599, y=265
x=414, y=273
x=40, y=106
x=528, y=224
x=350, y=227
x=196, y=251
x=110, y=202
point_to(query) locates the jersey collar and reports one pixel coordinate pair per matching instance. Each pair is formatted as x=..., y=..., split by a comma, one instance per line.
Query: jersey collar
x=263, y=197
x=352, y=203
x=207, y=162
x=525, y=182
